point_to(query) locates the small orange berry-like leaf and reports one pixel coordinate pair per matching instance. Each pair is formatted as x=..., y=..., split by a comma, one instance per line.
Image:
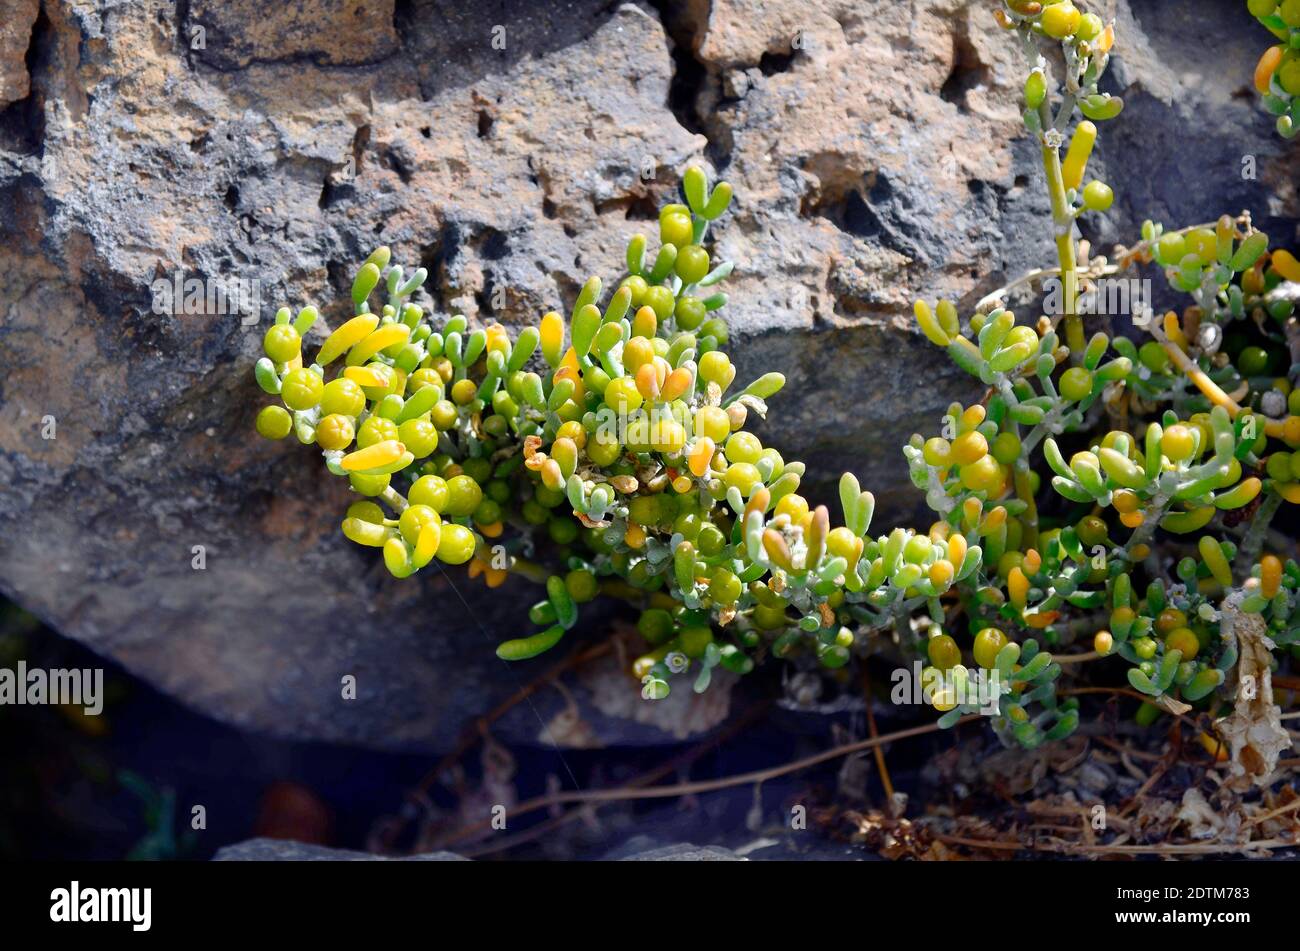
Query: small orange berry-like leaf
x=647, y=381
x=1266, y=66
x=1174, y=331
x=645, y=323
x=636, y=353
x=941, y=573
x=675, y=385
x=1285, y=263
x=971, y=417
x=1017, y=587
x=552, y=477
x=1126, y=500
x=498, y=338
x=1033, y=562
x=776, y=548
x=569, y=371
x=994, y=520
x=1132, y=519
x=815, y=536
x=957, y=549
x=1270, y=576
x=634, y=536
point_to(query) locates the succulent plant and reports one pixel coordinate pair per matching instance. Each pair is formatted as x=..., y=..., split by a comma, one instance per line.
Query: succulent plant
x=611, y=447
x=1277, y=75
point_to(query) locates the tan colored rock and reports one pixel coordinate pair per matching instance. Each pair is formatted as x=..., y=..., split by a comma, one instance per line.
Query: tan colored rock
x=16, y=20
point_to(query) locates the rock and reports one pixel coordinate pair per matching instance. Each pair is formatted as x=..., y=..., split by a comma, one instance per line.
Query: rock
x=686, y=853
x=875, y=158
x=323, y=32
x=283, y=850
x=783, y=846
x=16, y=20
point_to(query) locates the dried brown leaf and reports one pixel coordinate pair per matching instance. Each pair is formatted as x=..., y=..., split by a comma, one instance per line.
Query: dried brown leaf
x=1253, y=731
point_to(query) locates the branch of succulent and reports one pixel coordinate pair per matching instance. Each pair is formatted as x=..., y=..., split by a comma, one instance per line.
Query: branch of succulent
x=612, y=448
x=1084, y=42
x=1277, y=75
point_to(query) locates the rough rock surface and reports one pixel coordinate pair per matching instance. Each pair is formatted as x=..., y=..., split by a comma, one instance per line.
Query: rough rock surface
x=686, y=852
x=16, y=20
x=639, y=849
x=279, y=850
x=876, y=152
x=283, y=850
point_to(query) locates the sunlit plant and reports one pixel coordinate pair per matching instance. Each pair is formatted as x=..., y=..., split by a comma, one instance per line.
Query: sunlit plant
x=1103, y=491
x=1277, y=75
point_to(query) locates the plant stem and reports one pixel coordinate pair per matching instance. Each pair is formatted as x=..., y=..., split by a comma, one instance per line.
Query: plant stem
x=530, y=570
x=394, y=499
x=1254, y=540
x=1212, y=391
x=1151, y=515
x=1124, y=259
x=1063, y=231
x=1029, y=519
